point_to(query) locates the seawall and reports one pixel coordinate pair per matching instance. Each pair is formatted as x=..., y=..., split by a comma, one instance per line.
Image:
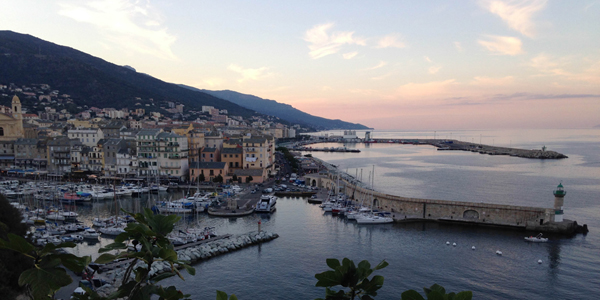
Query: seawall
x=405, y=209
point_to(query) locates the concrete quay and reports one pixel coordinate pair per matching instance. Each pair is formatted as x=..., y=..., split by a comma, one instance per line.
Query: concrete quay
x=446, y=144
x=404, y=209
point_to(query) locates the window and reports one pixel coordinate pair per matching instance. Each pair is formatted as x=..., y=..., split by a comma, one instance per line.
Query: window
x=211, y=172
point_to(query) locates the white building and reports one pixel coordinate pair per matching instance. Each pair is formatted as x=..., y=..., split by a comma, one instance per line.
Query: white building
x=87, y=136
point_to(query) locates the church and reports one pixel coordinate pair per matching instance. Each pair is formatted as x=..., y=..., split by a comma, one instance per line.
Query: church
x=11, y=125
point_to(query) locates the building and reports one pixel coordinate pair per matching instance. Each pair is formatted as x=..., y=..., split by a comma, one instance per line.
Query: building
x=209, y=154
x=11, y=124
x=59, y=154
x=112, y=129
x=87, y=136
x=232, y=157
x=110, y=148
x=91, y=159
x=172, y=154
x=258, y=152
x=147, y=152
x=7, y=154
x=31, y=154
x=210, y=170
x=213, y=139
x=127, y=163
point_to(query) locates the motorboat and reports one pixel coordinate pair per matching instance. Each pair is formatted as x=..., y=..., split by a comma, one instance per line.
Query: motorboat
x=172, y=207
x=90, y=234
x=536, y=239
x=112, y=231
x=266, y=204
x=373, y=219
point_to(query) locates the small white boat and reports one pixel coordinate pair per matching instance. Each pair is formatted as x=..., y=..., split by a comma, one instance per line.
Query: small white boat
x=90, y=234
x=536, y=239
x=498, y=252
x=373, y=219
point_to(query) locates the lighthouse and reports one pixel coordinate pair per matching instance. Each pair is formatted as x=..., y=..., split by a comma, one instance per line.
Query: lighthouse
x=559, y=200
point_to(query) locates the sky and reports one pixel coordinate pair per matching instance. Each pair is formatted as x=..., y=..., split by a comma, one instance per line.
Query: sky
x=404, y=65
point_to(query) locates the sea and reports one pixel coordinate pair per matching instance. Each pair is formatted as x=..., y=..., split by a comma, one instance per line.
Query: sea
x=417, y=253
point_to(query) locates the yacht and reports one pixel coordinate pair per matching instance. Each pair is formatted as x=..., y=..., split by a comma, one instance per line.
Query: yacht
x=266, y=204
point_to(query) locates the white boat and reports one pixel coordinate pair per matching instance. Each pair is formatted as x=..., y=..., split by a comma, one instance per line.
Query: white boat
x=113, y=230
x=172, y=207
x=373, y=219
x=266, y=204
x=536, y=239
x=90, y=234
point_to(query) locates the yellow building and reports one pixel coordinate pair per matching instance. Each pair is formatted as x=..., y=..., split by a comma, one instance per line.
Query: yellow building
x=11, y=125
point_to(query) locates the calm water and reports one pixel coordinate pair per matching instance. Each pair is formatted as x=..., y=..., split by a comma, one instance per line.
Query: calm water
x=284, y=268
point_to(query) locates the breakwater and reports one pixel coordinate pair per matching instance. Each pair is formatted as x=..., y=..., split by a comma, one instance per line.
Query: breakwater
x=405, y=209
x=445, y=144
x=194, y=254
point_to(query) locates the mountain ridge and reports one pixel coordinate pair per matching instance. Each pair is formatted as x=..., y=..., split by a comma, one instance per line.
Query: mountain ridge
x=280, y=110
x=90, y=80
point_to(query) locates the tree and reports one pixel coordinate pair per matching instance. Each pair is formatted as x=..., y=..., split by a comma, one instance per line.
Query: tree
x=249, y=179
x=356, y=279
x=436, y=291
x=234, y=178
x=201, y=178
x=218, y=179
x=12, y=263
x=47, y=276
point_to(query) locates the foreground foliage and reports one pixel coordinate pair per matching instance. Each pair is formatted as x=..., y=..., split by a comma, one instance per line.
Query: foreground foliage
x=12, y=264
x=48, y=275
x=150, y=232
x=436, y=292
x=355, y=279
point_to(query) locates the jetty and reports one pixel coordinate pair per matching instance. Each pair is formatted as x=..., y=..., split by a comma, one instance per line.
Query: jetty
x=441, y=144
x=405, y=209
x=193, y=253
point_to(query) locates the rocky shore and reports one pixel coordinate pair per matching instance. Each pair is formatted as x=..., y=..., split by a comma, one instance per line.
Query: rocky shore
x=192, y=254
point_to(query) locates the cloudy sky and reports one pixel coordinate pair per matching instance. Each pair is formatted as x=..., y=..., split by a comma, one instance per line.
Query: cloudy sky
x=387, y=64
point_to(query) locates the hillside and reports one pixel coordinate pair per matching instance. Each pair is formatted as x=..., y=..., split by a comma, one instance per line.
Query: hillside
x=280, y=110
x=26, y=60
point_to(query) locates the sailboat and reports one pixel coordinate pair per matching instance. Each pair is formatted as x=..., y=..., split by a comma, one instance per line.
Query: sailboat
x=372, y=218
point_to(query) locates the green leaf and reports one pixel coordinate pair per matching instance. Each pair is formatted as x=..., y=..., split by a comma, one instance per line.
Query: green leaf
x=412, y=295
x=105, y=258
x=221, y=295
x=17, y=243
x=190, y=269
x=435, y=295
x=44, y=282
x=439, y=288
x=381, y=265
x=328, y=279
x=464, y=295
x=233, y=297
x=73, y=262
x=162, y=276
x=168, y=254
x=332, y=263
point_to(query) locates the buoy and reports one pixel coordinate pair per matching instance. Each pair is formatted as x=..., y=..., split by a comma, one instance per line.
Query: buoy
x=473, y=247
x=539, y=261
x=498, y=252
x=447, y=243
x=454, y=244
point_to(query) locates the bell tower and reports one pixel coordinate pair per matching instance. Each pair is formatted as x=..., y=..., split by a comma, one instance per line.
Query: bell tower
x=18, y=115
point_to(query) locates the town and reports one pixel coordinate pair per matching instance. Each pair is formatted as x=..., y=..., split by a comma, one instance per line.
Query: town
x=43, y=133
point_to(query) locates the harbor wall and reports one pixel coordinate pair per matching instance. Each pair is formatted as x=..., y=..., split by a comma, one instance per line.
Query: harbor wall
x=404, y=209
